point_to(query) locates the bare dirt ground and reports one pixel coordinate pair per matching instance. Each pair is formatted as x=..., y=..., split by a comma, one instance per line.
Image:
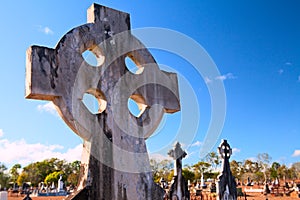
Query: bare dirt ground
x=36, y=198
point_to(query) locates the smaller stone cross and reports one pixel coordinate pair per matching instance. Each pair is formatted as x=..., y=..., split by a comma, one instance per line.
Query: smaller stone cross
x=179, y=188
x=177, y=154
x=226, y=185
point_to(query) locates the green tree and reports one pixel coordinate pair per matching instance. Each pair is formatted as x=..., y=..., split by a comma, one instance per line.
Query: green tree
x=14, y=172
x=73, y=177
x=54, y=177
x=296, y=168
x=236, y=169
x=264, y=160
x=161, y=169
x=4, y=177
x=22, y=178
x=250, y=166
x=213, y=159
x=38, y=171
x=274, y=170
x=188, y=174
x=200, y=168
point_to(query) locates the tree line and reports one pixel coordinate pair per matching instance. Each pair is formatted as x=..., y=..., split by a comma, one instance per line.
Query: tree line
x=257, y=170
x=47, y=171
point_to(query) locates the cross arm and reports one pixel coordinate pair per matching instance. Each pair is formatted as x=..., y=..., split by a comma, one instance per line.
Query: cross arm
x=161, y=88
x=41, y=73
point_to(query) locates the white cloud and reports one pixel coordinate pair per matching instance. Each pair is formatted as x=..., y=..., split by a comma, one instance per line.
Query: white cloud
x=48, y=107
x=280, y=71
x=159, y=157
x=196, y=144
x=235, y=150
x=296, y=153
x=45, y=30
x=288, y=63
x=21, y=152
x=225, y=77
x=207, y=80
x=1, y=133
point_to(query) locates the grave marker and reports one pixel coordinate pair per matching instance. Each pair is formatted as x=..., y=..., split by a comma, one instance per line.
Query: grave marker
x=115, y=163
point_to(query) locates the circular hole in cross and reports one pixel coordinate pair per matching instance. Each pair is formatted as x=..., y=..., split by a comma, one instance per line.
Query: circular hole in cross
x=136, y=105
x=93, y=57
x=132, y=67
x=94, y=100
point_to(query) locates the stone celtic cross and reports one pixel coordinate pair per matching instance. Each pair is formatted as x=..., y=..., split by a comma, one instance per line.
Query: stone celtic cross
x=115, y=163
x=226, y=185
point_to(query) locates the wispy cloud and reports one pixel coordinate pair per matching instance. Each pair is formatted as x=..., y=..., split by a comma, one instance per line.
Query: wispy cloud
x=280, y=71
x=207, y=80
x=159, y=157
x=1, y=133
x=45, y=30
x=296, y=153
x=21, y=152
x=48, y=107
x=196, y=144
x=235, y=151
x=225, y=77
x=288, y=63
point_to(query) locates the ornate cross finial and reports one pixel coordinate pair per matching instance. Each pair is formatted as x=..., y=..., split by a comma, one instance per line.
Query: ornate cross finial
x=224, y=150
x=177, y=152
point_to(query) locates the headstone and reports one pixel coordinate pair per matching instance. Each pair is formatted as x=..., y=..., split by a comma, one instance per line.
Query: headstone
x=179, y=188
x=3, y=195
x=202, y=183
x=226, y=185
x=212, y=187
x=115, y=162
x=248, y=181
x=60, y=185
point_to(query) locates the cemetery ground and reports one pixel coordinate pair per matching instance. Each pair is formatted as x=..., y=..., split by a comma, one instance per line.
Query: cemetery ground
x=254, y=196
x=206, y=196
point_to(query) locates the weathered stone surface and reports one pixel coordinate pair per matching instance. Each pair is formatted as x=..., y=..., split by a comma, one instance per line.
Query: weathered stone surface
x=115, y=163
x=226, y=185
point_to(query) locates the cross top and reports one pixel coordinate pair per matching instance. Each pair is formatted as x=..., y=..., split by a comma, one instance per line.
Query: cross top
x=224, y=150
x=63, y=76
x=177, y=152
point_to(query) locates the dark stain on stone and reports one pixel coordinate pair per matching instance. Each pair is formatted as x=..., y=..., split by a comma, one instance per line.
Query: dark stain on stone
x=127, y=21
x=41, y=53
x=107, y=30
x=47, y=55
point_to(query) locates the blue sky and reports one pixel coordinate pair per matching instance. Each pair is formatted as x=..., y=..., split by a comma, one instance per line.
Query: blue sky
x=254, y=44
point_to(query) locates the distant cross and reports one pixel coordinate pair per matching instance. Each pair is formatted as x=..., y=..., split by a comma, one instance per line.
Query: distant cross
x=177, y=152
x=179, y=188
x=224, y=150
x=115, y=162
x=226, y=185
